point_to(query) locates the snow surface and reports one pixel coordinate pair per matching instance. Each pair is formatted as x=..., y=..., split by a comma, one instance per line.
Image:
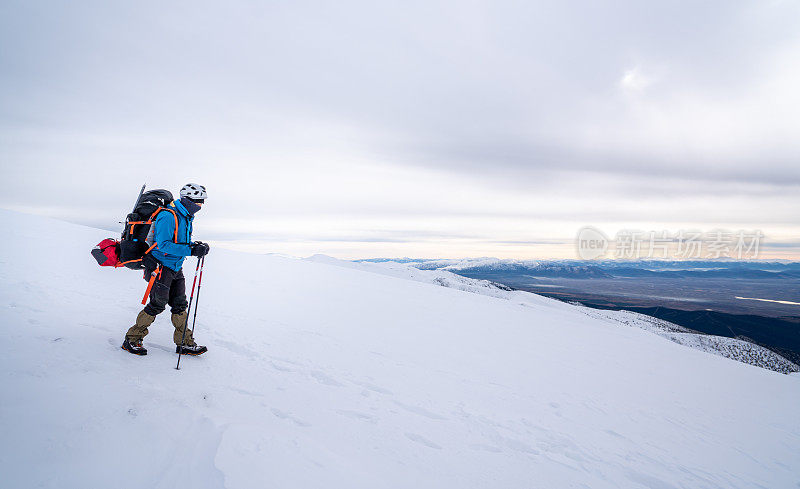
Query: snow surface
x=320, y=376
x=733, y=348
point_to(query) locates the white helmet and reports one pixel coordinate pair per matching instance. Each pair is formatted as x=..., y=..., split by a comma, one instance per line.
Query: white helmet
x=194, y=191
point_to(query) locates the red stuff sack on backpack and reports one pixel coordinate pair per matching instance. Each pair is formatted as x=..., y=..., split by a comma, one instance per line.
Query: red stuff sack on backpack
x=107, y=253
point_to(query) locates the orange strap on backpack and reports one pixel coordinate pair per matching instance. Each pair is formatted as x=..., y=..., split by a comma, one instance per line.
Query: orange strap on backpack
x=150, y=221
x=159, y=267
x=122, y=264
x=174, y=215
x=153, y=277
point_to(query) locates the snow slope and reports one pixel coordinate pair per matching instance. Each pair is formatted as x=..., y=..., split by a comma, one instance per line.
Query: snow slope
x=735, y=349
x=323, y=376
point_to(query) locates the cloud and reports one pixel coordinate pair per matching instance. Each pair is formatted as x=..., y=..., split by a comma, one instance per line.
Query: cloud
x=517, y=119
x=635, y=80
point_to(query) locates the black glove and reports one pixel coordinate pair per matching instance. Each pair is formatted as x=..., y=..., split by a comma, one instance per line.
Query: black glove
x=200, y=249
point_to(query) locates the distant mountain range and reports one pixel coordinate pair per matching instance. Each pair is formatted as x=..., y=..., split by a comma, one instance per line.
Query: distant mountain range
x=584, y=269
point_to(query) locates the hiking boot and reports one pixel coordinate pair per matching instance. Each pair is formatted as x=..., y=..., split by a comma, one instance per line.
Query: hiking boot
x=191, y=349
x=134, y=346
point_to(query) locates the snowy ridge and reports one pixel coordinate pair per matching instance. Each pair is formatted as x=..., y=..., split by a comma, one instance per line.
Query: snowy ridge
x=735, y=349
x=490, y=263
x=494, y=265
x=409, y=272
x=459, y=264
x=320, y=376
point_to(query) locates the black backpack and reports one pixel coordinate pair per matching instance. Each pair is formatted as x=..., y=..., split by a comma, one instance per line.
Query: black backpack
x=136, y=239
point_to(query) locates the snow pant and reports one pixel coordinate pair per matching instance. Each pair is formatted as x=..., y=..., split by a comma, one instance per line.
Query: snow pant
x=168, y=288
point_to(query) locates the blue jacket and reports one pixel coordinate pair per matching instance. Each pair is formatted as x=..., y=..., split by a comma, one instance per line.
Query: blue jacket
x=169, y=253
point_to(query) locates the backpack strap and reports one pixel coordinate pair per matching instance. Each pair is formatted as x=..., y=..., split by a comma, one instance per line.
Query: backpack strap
x=137, y=259
x=133, y=224
x=154, y=245
x=159, y=267
x=104, y=248
x=153, y=277
x=174, y=214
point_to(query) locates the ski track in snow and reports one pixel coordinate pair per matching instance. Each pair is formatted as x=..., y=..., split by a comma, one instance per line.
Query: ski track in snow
x=327, y=376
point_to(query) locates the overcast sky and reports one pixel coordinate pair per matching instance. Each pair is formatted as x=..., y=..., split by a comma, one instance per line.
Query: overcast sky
x=425, y=129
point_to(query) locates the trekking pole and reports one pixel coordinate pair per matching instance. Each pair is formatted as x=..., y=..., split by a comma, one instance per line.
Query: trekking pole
x=191, y=296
